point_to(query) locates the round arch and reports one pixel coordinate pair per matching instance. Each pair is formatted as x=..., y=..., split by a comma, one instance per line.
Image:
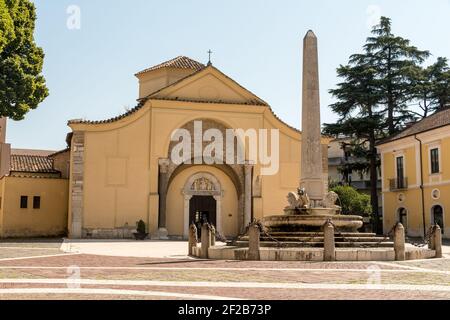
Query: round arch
x=402, y=217
x=202, y=184
x=437, y=216
x=188, y=124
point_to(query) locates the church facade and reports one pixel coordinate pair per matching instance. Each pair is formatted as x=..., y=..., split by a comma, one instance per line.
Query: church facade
x=122, y=169
x=197, y=147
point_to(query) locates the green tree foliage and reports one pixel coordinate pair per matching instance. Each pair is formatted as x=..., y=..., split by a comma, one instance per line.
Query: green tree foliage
x=353, y=202
x=395, y=61
x=431, y=88
x=360, y=115
x=22, y=86
x=375, y=95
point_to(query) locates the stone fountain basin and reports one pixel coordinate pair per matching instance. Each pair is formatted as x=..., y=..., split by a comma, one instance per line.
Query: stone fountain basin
x=312, y=223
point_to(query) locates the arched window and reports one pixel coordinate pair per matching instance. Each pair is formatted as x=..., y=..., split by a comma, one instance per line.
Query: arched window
x=437, y=216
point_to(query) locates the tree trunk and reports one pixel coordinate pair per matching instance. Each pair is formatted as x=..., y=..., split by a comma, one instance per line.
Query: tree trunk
x=374, y=183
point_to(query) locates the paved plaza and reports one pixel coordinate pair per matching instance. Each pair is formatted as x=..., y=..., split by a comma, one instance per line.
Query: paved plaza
x=63, y=269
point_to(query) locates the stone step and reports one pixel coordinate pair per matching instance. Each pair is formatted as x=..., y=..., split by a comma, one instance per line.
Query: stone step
x=317, y=239
x=318, y=244
x=309, y=234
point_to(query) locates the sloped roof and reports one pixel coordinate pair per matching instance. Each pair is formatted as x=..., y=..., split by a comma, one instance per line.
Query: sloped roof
x=436, y=120
x=254, y=101
x=31, y=164
x=32, y=152
x=180, y=62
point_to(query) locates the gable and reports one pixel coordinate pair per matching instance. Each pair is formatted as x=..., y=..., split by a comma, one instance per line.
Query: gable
x=208, y=85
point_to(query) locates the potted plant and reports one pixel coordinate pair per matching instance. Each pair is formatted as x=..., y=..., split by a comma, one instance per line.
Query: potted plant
x=140, y=233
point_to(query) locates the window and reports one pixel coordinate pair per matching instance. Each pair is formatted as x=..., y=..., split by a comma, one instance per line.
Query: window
x=400, y=168
x=401, y=183
x=434, y=156
x=36, y=202
x=23, y=202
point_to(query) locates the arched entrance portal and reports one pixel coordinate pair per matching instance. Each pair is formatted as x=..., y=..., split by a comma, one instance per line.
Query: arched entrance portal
x=202, y=201
x=437, y=217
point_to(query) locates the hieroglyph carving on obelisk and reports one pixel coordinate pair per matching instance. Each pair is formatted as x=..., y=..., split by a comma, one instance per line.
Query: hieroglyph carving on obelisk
x=311, y=170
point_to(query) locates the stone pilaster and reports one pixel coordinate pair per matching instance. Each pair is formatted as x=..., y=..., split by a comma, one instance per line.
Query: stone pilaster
x=77, y=184
x=164, y=165
x=248, y=168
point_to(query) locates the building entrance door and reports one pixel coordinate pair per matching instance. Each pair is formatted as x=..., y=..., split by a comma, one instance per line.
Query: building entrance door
x=438, y=217
x=202, y=209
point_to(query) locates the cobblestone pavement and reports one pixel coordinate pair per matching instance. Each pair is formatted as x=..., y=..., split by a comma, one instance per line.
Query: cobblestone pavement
x=41, y=271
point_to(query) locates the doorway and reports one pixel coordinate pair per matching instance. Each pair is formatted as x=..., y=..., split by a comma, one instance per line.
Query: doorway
x=438, y=217
x=403, y=218
x=202, y=209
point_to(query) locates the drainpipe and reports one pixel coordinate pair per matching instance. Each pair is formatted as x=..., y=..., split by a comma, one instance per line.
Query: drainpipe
x=422, y=187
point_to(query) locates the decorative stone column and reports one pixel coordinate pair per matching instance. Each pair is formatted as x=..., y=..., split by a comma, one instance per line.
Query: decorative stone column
x=248, y=171
x=254, y=235
x=213, y=236
x=77, y=183
x=437, y=241
x=219, y=213
x=163, y=183
x=329, y=248
x=206, y=240
x=399, y=243
x=193, y=239
x=187, y=200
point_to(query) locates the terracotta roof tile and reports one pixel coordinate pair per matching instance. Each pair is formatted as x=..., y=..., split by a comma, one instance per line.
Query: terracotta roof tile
x=436, y=120
x=180, y=62
x=31, y=164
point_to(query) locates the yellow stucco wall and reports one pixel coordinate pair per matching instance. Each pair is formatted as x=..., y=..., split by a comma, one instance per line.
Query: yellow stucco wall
x=411, y=198
x=121, y=158
x=49, y=220
x=117, y=176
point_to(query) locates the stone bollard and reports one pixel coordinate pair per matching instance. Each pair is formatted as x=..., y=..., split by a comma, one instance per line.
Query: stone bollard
x=193, y=238
x=329, y=248
x=213, y=236
x=399, y=242
x=254, y=234
x=206, y=240
x=437, y=241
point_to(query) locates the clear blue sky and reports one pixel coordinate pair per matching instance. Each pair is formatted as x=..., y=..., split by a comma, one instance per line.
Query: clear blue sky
x=256, y=42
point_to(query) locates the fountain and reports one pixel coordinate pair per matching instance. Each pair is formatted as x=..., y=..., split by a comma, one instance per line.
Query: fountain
x=300, y=216
x=298, y=234
x=311, y=206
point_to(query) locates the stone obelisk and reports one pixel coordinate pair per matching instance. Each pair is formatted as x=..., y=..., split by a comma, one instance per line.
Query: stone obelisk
x=311, y=170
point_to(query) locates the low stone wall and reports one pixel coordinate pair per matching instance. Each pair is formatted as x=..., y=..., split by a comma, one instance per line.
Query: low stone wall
x=113, y=233
x=315, y=254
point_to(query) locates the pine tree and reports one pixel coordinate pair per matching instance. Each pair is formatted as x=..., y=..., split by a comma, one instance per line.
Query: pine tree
x=441, y=84
x=22, y=86
x=431, y=88
x=395, y=61
x=358, y=106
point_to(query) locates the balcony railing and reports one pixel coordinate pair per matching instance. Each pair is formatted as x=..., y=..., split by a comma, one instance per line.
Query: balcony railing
x=398, y=184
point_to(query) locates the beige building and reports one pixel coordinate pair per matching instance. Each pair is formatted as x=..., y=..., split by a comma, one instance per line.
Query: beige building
x=122, y=170
x=33, y=191
x=416, y=176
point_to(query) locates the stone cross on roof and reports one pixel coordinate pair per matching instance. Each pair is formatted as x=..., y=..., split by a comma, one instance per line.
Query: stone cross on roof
x=209, y=58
